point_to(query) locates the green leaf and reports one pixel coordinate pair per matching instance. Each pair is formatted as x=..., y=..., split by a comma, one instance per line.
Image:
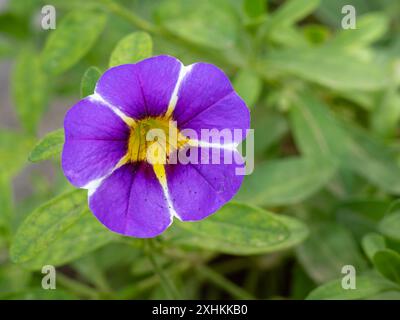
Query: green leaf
x=287, y=14
x=248, y=85
x=13, y=278
x=14, y=150
x=372, y=243
x=330, y=11
x=277, y=127
x=89, y=80
x=21, y=7
x=6, y=48
x=388, y=295
x=49, y=146
x=60, y=231
x=379, y=163
x=285, y=181
x=288, y=37
x=370, y=28
x=386, y=115
x=316, y=33
x=213, y=23
x=255, y=8
x=29, y=87
x=390, y=226
x=335, y=68
x=14, y=26
x=329, y=248
x=241, y=229
x=6, y=205
x=361, y=216
x=73, y=38
x=317, y=132
x=367, y=285
x=132, y=48
x=387, y=262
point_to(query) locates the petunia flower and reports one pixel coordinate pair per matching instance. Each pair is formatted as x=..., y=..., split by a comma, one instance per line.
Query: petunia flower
x=106, y=146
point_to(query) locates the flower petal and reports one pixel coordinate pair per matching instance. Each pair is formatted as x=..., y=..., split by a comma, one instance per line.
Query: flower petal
x=131, y=202
x=198, y=190
x=206, y=100
x=141, y=89
x=95, y=141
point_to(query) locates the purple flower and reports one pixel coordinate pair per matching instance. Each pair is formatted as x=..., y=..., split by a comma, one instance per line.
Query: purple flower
x=107, y=152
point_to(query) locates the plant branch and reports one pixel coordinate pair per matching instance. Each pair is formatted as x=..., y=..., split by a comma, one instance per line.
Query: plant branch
x=77, y=287
x=166, y=282
x=134, y=19
x=224, y=283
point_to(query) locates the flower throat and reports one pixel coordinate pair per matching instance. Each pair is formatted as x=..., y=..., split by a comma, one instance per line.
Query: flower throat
x=152, y=139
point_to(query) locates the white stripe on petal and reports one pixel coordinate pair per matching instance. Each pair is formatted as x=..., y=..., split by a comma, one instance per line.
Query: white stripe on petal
x=171, y=208
x=205, y=144
x=174, y=97
x=96, y=97
x=94, y=184
x=159, y=171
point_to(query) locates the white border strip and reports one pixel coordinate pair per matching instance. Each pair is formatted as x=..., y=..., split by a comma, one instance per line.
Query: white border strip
x=96, y=97
x=174, y=96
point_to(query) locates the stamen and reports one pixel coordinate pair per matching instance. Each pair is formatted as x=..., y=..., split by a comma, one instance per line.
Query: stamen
x=152, y=140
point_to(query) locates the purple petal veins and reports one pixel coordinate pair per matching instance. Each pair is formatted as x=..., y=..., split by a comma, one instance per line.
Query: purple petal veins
x=141, y=89
x=95, y=141
x=131, y=202
x=198, y=190
x=207, y=101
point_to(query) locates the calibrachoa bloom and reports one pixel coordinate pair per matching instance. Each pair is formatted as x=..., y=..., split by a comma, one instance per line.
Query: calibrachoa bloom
x=107, y=148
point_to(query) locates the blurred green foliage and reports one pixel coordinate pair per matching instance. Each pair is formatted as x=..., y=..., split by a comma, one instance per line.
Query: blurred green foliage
x=325, y=107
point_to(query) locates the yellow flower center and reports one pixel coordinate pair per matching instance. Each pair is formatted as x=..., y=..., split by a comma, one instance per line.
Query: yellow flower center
x=153, y=140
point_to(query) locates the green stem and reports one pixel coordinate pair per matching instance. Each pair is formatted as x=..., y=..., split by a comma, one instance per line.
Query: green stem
x=224, y=283
x=126, y=14
x=134, y=290
x=77, y=287
x=166, y=282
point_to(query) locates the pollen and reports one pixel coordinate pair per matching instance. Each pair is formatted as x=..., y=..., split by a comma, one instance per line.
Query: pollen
x=153, y=139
